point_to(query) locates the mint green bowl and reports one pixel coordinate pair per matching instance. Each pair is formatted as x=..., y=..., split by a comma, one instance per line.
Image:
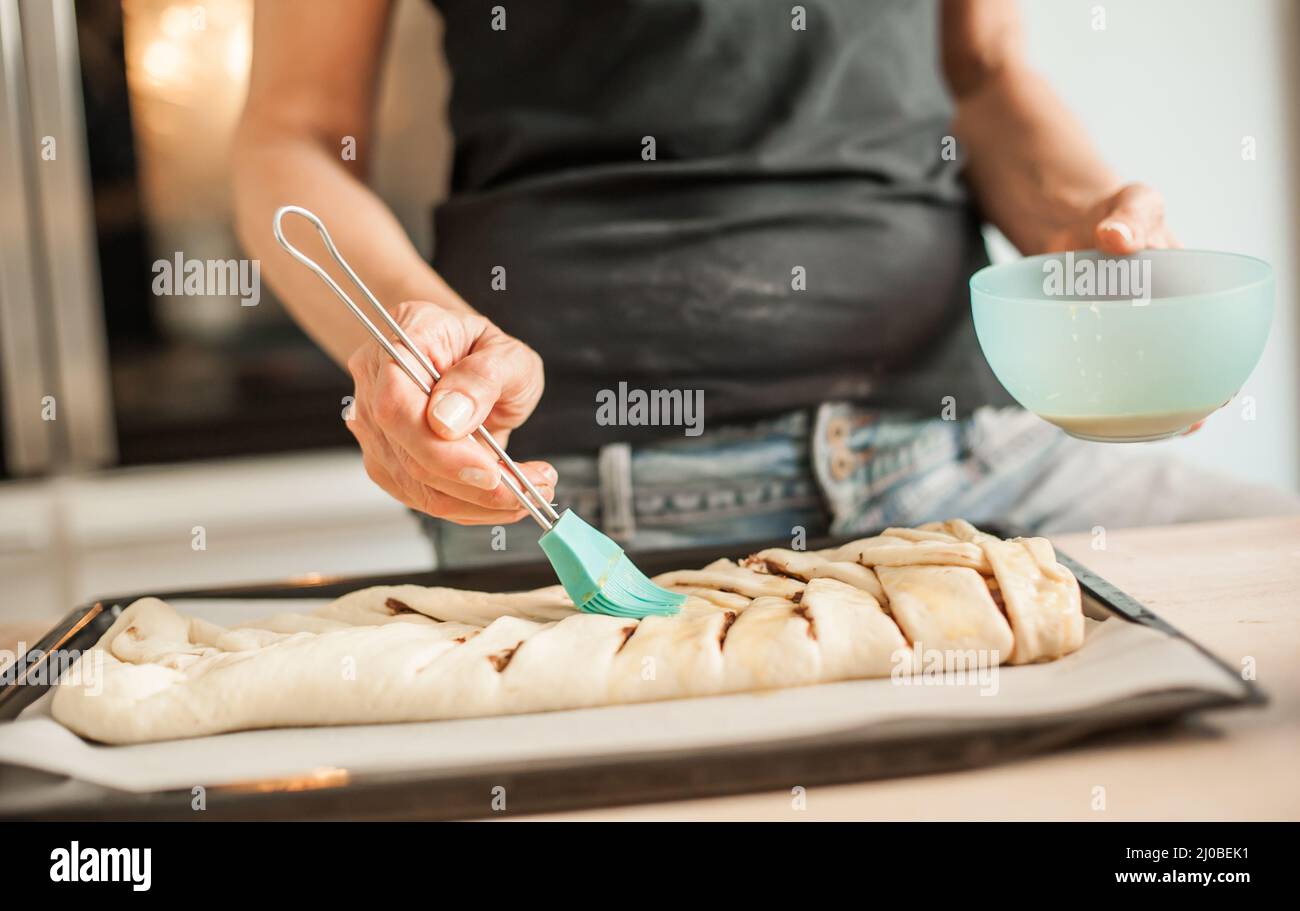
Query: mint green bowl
x=1172, y=338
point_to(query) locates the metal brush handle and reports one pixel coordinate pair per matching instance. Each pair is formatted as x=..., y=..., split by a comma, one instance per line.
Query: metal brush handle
x=541, y=510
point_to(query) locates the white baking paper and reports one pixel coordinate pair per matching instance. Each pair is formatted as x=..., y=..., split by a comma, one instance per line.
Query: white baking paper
x=1119, y=660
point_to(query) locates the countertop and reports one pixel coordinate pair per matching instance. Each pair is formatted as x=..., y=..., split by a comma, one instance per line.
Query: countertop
x=1232, y=586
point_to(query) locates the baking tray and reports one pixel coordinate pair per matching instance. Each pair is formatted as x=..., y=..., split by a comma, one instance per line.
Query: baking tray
x=877, y=751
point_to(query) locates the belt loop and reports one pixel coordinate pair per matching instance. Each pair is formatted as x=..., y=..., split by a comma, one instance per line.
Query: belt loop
x=822, y=455
x=614, y=473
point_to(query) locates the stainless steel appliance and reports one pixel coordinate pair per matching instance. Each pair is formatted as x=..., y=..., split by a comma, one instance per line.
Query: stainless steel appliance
x=117, y=123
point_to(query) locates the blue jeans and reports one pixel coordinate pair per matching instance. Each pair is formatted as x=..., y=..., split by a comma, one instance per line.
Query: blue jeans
x=841, y=469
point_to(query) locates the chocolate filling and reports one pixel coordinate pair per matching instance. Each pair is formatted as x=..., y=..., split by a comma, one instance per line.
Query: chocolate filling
x=399, y=607
x=776, y=569
x=802, y=610
x=628, y=632
x=500, y=659
x=728, y=618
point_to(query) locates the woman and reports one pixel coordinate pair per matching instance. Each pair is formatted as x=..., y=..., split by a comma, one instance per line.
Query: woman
x=761, y=207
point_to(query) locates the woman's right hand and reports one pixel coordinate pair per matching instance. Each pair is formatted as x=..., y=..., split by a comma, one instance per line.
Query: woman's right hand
x=417, y=447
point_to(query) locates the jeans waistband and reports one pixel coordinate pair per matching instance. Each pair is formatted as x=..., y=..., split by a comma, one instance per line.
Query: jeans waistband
x=837, y=468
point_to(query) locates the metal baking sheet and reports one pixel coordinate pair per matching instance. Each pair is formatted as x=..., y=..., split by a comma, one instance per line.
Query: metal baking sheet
x=897, y=748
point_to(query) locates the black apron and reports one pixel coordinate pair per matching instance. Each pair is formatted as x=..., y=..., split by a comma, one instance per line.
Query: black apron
x=640, y=186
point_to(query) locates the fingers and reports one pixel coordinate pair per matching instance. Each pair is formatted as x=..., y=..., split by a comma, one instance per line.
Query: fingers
x=379, y=460
x=391, y=406
x=433, y=473
x=465, y=395
x=464, y=461
x=416, y=447
x=497, y=384
x=456, y=479
x=1134, y=219
x=464, y=469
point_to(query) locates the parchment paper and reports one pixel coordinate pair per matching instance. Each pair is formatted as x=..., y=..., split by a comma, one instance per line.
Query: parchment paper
x=1119, y=660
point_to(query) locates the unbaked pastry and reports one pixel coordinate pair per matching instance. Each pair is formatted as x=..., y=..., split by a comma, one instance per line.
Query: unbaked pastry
x=407, y=653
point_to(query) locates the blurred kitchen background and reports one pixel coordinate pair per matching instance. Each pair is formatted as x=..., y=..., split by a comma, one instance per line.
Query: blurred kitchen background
x=175, y=415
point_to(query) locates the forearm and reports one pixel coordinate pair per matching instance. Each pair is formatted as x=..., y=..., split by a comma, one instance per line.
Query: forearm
x=279, y=164
x=1029, y=162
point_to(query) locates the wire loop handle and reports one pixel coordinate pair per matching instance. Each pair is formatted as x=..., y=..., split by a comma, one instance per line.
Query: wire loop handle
x=541, y=510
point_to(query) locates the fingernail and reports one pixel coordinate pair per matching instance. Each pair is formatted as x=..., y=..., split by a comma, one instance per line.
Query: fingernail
x=1119, y=228
x=454, y=411
x=549, y=473
x=477, y=477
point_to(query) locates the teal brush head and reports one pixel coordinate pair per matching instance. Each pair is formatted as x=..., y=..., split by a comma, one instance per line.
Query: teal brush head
x=599, y=577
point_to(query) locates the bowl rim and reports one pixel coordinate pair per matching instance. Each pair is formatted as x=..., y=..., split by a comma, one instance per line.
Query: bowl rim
x=1267, y=277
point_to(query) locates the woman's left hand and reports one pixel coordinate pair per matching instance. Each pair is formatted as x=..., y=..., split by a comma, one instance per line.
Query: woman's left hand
x=1130, y=219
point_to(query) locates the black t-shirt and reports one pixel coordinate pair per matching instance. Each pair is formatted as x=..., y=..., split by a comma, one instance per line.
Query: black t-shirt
x=779, y=153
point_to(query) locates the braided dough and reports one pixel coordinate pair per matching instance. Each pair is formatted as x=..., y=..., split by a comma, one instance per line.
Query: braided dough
x=406, y=653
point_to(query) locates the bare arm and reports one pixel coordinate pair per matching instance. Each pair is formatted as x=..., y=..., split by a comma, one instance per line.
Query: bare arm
x=315, y=68
x=1029, y=161
x=313, y=83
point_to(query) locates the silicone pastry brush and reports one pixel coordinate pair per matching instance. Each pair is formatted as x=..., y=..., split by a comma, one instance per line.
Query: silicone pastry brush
x=596, y=574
